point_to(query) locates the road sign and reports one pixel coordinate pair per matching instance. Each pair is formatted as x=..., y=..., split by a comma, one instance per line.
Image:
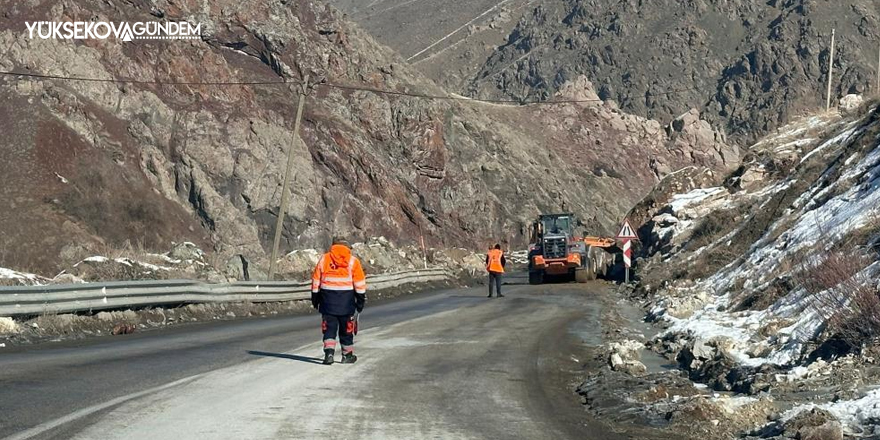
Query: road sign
x=627, y=253
x=627, y=232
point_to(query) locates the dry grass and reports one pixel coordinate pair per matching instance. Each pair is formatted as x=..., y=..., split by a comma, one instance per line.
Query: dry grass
x=842, y=294
x=136, y=252
x=866, y=237
x=763, y=299
x=115, y=271
x=713, y=226
x=713, y=260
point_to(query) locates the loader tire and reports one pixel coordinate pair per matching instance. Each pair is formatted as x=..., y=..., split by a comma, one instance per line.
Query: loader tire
x=583, y=274
x=536, y=277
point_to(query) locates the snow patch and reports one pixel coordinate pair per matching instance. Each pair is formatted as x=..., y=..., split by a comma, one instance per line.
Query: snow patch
x=21, y=277
x=681, y=202
x=124, y=261
x=837, y=140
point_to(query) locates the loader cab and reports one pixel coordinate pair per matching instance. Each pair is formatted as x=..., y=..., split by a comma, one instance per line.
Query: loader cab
x=557, y=225
x=551, y=235
x=553, y=225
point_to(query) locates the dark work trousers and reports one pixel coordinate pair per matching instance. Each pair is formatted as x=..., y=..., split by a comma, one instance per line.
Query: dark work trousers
x=495, y=278
x=333, y=325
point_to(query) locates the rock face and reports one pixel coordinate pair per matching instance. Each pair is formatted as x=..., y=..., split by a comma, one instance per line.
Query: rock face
x=108, y=163
x=747, y=66
x=448, y=40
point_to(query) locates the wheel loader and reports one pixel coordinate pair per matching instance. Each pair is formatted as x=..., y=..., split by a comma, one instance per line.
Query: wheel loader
x=555, y=251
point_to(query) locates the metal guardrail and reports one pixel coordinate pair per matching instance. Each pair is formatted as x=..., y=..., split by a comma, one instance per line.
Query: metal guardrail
x=66, y=298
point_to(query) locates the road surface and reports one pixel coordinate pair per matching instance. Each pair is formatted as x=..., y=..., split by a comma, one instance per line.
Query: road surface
x=452, y=364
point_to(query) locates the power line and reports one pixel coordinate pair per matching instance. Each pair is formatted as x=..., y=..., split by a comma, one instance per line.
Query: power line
x=513, y=102
x=21, y=75
x=445, y=97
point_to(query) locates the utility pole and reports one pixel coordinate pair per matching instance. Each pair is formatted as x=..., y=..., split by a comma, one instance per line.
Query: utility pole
x=285, y=191
x=830, y=73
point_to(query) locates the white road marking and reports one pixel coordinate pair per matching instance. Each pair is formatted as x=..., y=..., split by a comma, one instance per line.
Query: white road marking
x=276, y=398
x=263, y=398
x=85, y=412
x=76, y=415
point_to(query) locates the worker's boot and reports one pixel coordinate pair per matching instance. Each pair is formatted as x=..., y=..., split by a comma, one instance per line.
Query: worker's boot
x=349, y=358
x=328, y=356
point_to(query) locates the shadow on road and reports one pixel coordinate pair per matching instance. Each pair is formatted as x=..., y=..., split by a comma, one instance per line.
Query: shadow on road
x=293, y=357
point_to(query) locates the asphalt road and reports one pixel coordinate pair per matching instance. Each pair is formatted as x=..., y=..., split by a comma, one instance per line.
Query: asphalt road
x=452, y=364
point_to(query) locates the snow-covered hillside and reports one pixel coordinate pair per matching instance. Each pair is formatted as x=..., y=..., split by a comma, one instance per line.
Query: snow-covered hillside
x=728, y=268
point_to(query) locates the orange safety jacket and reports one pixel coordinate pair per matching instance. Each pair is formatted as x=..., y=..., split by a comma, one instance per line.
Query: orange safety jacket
x=494, y=261
x=339, y=270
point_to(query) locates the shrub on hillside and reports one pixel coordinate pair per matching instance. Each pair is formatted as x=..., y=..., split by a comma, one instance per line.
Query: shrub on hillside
x=844, y=295
x=710, y=229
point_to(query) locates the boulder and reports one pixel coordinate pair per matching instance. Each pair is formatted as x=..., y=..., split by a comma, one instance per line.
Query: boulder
x=8, y=325
x=831, y=430
x=624, y=356
x=123, y=329
x=702, y=410
x=708, y=361
x=813, y=424
x=299, y=263
x=850, y=104
x=753, y=177
x=685, y=121
x=580, y=89
x=186, y=252
x=238, y=269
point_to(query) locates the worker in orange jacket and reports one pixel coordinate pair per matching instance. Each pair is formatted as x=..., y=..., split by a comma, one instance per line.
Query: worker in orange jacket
x=495, y=263
x=339, y=289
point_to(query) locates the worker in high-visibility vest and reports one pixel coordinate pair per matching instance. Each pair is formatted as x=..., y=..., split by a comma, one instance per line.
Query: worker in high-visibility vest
x=495, y=263
x=339, y=289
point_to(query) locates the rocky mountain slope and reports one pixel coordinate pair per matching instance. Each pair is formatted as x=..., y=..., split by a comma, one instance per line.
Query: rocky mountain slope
x=767, y=282
x=102, y=164
x=447, y=40
x=748, y=66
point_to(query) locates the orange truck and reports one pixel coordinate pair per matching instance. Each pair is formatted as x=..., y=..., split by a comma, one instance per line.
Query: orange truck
x=557, y=252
